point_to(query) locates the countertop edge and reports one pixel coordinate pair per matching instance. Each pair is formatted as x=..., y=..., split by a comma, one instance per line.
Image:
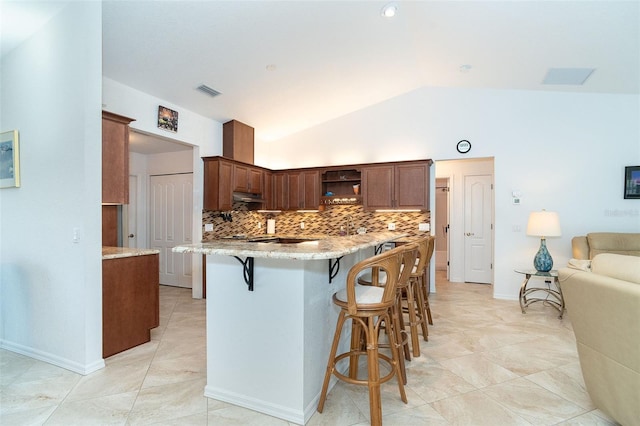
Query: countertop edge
x=120, y=252
x=328, y=248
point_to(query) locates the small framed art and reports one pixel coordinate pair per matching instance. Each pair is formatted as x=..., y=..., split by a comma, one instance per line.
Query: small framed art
x=167, y=119
x=9, y=159
x=632, y=182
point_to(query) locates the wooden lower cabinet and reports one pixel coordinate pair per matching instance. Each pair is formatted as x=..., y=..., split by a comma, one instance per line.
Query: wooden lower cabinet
x=130, y=302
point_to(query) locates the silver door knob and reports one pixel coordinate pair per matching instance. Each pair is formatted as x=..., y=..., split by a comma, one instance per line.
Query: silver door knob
x=131, y=235
x=468, y=234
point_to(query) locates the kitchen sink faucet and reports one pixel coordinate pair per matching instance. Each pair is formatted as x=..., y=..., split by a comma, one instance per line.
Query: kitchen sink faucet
x=350, y=228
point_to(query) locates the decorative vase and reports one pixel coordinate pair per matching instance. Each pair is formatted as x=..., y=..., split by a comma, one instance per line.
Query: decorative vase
x=543, y=261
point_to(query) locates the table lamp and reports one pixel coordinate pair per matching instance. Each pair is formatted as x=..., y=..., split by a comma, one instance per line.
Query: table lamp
x=543, y=224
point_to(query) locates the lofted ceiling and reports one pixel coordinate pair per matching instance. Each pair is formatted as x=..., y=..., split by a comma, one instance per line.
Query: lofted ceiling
x=284, y=66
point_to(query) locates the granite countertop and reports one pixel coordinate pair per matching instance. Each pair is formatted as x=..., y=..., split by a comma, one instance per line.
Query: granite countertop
x=118, y=252
x=325, y=248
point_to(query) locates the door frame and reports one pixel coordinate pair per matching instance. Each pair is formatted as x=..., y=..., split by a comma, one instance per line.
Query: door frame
x=456, y=170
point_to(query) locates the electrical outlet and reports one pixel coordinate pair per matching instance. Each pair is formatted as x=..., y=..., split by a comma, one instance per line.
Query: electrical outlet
x=423, y=227
x=391, y=226
x=208, y=227
x=301, y=225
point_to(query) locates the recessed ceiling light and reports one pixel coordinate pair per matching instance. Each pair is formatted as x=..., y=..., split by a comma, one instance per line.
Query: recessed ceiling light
x=465, y=68
x=389, y=10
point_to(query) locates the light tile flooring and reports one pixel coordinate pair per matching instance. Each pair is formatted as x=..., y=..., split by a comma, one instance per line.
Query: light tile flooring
x=485, y=364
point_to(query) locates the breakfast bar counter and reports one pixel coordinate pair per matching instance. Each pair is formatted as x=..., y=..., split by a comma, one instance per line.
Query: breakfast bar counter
x=267, y=349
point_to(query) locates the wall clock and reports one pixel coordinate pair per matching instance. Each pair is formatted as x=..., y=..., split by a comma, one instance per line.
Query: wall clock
x=463, y=146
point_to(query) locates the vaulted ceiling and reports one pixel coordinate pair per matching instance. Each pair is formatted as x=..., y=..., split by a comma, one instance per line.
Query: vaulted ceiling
x=283, y=66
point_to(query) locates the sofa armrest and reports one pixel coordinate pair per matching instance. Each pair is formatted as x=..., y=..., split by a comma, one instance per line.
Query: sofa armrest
x=604, y=313
x=580, y=248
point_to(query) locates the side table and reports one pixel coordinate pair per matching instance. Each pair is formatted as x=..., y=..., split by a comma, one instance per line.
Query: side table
x=553, y=295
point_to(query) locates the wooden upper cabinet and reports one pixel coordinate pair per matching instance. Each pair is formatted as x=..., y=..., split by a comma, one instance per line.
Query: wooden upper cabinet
x=218, y=192
x=115, y=158
x=411, y=182
x=377, y=187
x=237, y=141
x=303, y=189
x=396, y=186
x=280, y=191
x=248, y=179
x=311, y=189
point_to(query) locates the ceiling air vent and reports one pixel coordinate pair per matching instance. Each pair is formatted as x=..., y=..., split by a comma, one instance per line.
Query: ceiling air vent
x=208, y=90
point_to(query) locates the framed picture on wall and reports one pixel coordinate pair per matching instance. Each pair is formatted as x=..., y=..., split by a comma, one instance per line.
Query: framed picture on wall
x=632, y=182
x=167, y=119
x=9, y=160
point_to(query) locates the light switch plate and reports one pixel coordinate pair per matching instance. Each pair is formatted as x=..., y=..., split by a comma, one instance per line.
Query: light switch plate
x=208, y=227
x=424, y=227
x=391, y=226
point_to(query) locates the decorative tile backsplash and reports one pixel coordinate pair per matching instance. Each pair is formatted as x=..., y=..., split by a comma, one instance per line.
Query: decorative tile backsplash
x=328, y=222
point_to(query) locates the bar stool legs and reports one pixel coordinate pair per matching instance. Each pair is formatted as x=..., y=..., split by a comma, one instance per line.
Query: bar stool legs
x=370, y=326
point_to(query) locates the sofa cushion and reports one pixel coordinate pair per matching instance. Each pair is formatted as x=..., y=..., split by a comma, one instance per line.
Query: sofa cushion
x=626, y=268
x=613, y=242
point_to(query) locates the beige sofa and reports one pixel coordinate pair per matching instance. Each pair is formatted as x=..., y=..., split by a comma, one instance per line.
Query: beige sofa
x=587, y=247
x=603, y=304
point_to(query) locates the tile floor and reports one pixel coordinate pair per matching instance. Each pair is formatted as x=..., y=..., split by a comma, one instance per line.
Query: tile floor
x=485, y=364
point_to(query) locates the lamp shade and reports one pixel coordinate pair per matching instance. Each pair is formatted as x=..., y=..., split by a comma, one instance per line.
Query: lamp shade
x=544, y=224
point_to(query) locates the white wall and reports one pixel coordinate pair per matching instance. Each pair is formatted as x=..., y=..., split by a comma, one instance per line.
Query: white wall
x=51, y=287
x=205, y=135
x=563, y=151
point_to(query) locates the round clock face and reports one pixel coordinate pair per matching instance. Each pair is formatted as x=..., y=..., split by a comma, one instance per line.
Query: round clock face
x=464, y=146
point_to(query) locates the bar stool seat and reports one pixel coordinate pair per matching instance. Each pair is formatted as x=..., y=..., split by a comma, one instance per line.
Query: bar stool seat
x=368, y=307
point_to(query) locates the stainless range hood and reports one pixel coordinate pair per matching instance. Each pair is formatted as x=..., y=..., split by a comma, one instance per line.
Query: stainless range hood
x=246, y=197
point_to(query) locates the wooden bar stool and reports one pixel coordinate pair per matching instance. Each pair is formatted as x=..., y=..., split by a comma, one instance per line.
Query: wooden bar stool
x=418, y=296
x=423, y=278
x=368, y=307
x=379, y=278
x=419, y=277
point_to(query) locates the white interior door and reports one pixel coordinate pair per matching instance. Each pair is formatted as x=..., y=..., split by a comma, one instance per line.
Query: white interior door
x=170, y=215
x=478, y=229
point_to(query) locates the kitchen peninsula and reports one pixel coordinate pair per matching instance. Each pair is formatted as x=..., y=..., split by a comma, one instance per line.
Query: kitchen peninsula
x=267, y=349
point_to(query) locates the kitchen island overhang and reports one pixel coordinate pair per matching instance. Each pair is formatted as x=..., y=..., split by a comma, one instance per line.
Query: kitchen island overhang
x=267, y=349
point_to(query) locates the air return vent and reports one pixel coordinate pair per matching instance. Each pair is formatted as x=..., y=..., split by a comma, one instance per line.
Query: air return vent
x=208, y=90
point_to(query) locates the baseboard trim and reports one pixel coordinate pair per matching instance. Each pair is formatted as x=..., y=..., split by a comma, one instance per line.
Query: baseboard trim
x=50, y=358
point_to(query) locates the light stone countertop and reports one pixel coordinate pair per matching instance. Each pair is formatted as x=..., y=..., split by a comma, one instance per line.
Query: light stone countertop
x=326, y=248
x=119, y=252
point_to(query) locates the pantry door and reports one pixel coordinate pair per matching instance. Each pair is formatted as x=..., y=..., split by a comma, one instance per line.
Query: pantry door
x=170, y=216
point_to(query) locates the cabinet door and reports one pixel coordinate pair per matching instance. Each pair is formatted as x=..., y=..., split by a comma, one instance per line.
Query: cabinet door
x=411, y=183
x=311, y=189
x=247, y=179
x=240, y=178
x=218, y=192
x=255, y=178
x=296, y=190
x=115, y=158
x=280, y=191
x=377, y=187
